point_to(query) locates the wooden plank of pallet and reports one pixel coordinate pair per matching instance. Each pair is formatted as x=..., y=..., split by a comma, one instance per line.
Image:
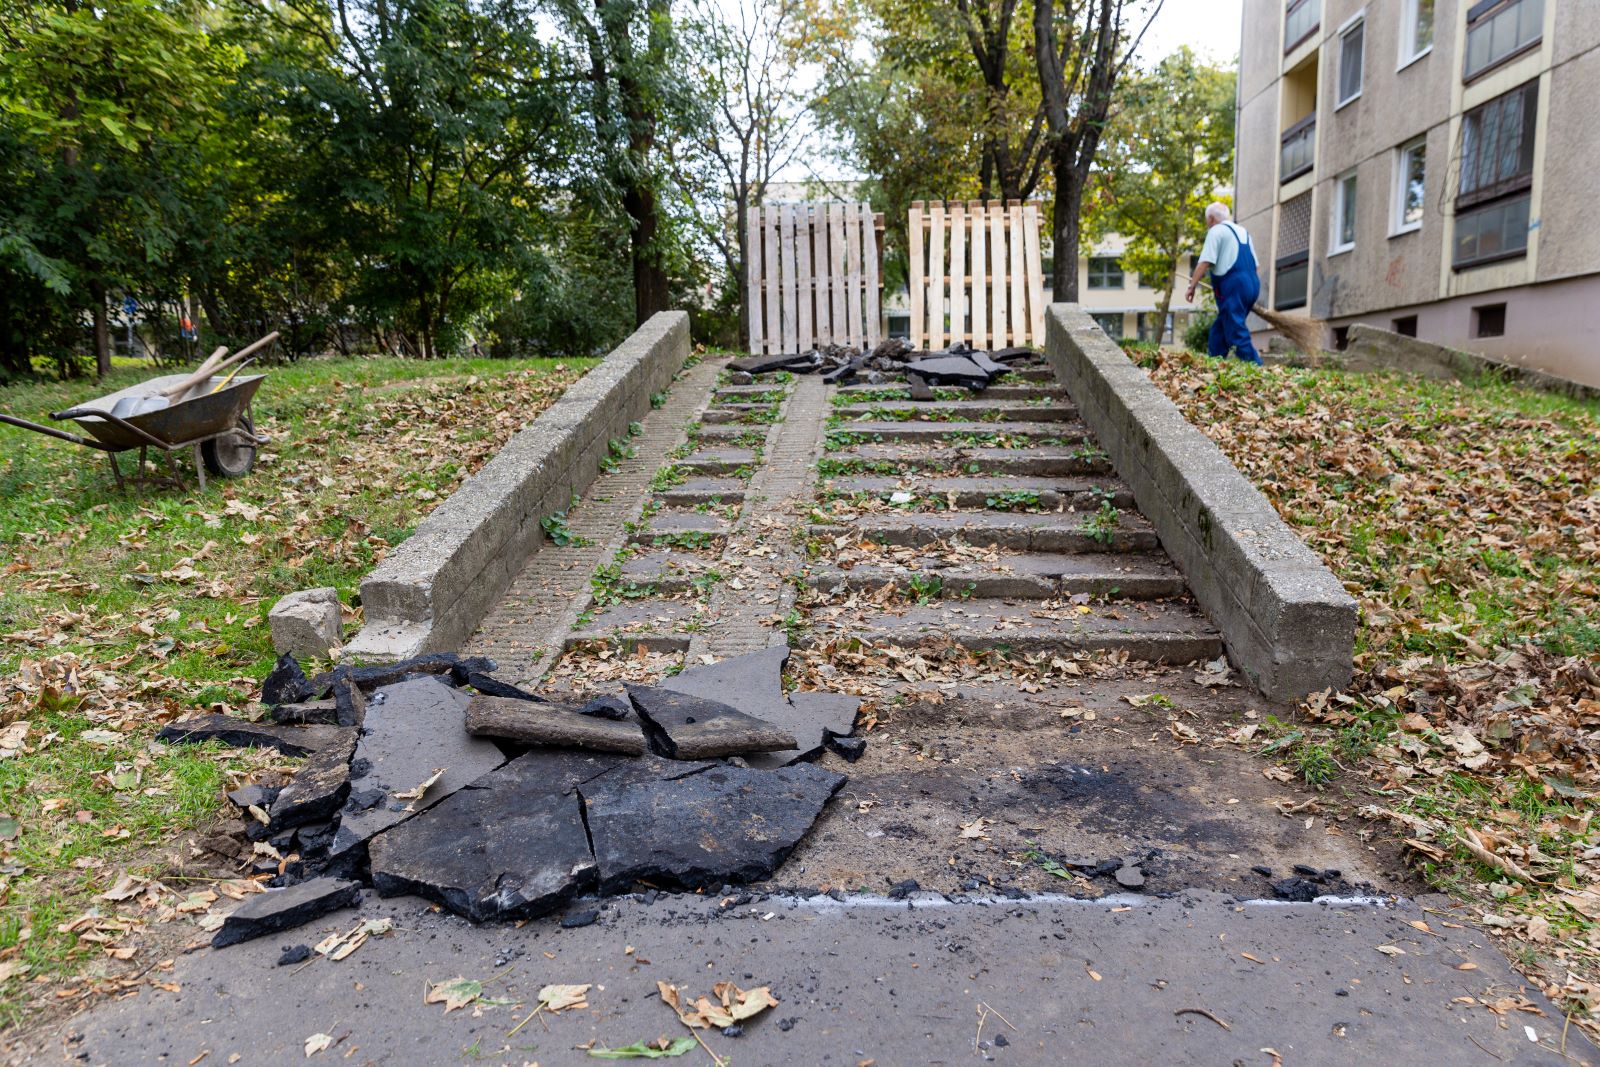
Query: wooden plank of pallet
x=918, y=274
x=958, y=273
x=936, y=276
x=870, y=222
x=997, y=276
x=853, y=272
x=1033, y=264
x=1019, y=300
x=769, y=229
x=980, y=277
x=791, y=301
x=805, y=282
x=841, y=321
x=752, y=276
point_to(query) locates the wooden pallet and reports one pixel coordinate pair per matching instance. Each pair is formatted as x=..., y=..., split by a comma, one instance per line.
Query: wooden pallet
x=814, y=275
x=976, y=274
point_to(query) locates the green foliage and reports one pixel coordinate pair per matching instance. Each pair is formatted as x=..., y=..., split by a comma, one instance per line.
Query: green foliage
x=1197, y=336
x=1101, y=525
x=925, y=588
x=1166, y=153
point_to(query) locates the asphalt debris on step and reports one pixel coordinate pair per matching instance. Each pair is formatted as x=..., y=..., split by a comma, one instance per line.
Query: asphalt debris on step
x=284, y=909
x=241, y=733
x=684, y=727
x=544, y=723
x=959, y=364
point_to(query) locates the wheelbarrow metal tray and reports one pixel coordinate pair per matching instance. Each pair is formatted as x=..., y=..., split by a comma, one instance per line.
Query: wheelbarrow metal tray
x=196, y=416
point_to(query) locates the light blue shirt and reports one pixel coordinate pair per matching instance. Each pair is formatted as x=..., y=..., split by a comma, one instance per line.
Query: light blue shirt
x=1222, y=246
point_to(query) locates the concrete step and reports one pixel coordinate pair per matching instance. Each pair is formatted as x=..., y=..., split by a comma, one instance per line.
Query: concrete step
x=702, y=490
x=1044, y=461
x=974, y=432
x=731, y=434
x=668, y=571
x=1023, y=576
x=748, y=393
x=656, y=625
x=1023, y=391
x=995, y=493
x=985, y=410
x=692, y=528
x=715, y=461
x=736, y=414
x=1154, y=631
x=1016, y=533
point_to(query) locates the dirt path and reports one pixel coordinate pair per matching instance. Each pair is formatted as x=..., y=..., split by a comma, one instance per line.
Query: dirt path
x=1052, y=845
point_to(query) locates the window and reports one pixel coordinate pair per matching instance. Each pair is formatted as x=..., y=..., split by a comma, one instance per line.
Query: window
x=1290, y=268
x=1489, y=320
x=1416, y=30
x=1405, y=325
x=1496, y=178
x=1343, y=237
x=1341, y=338
x=1111, y=324
x=1147, y=327
x=1352, y=49
x=1299, y=149
x=1300, y=20
x=1105, y=272
x=1498, y=30
x=1410, y=187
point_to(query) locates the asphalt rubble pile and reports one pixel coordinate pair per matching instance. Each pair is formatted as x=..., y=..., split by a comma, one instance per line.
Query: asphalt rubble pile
x=432, y=777
x=958, y=365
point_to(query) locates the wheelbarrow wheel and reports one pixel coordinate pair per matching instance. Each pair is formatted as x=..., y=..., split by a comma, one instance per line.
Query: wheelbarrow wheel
x=233, y=454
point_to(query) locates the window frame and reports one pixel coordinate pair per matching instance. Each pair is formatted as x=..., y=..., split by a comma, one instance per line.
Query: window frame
x=1089, y=273
x=1291, y=261
x=1482, y=12
x=1100, y=318
x=1341, y=201
x=1351, y=25
x=1397, y=224
x=1409, y=52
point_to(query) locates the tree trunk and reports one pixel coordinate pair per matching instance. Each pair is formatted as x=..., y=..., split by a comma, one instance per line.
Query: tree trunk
x=741, y=226
x=1069, y=201
x=649, y=280
x=102, y=330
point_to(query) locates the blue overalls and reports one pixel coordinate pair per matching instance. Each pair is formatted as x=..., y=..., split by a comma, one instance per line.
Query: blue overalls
x=1236, y=292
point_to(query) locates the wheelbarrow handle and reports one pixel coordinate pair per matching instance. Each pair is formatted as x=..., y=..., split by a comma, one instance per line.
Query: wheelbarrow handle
x=51, y=431
x=116, y=420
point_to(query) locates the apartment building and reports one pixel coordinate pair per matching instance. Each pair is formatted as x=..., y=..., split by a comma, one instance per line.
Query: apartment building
x=1427, y=166
x=1123, y=303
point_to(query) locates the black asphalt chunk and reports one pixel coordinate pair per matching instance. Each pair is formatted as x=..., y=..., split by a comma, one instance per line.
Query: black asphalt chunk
x=578, y=919
x=237, y=733
x=719, y=824
x=608, y=707
x=494, y=687
x=849, y=749
x=319, y=787
x=551, y=724
x=685, y=727
x=446, y=666
x=510, y=845
x=284, y=909
x=286, y=683
x=1011, y=355
x=989, y=366
x=920, y=389
x=419, y=728
x=753, y=684
x=259, y=796
x=950, y=370
x=293, y=954
x=349, y=702
x=764, y=364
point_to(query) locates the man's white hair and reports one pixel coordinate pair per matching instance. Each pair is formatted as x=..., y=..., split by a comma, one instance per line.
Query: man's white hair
x=1216, y=212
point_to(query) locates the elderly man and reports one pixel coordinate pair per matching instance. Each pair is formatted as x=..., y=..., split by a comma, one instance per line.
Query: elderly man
x=1231, y=259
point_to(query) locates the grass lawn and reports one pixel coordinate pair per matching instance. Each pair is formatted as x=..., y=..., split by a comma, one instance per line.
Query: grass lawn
x=119, y=612
x=1466, y=521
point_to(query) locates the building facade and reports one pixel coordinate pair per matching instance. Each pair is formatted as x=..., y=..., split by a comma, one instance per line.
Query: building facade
x=1426, y=166
x=1123, y=303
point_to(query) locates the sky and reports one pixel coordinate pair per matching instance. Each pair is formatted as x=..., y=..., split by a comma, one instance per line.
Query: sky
x=1210, y=27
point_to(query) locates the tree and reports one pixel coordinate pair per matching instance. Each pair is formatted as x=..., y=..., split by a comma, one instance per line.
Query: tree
x=1166, y=153
x=106, y=104
x=754, y=77
x=1081, y=48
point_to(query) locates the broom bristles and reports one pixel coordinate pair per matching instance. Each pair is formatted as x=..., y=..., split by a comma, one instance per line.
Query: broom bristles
x=1304, y=333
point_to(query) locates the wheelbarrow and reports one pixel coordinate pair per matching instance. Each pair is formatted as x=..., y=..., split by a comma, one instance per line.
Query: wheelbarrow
x=211, y=418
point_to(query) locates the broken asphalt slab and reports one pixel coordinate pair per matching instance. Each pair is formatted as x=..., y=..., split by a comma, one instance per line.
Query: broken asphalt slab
x=1111, y=981
x=277, y=910
x=241, y=733
x=417, y=730
x=509, y=846
x=753, y=683
x=690, y=826
x=685, y=727
x=529, y=837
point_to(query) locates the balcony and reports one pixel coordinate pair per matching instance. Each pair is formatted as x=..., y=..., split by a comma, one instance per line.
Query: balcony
x=1299, y=151
x=1300, y=21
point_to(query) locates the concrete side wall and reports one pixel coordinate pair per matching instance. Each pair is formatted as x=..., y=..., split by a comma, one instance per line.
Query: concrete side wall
x=1373, y=349
x=1569, y=241
x=1287, y=621
x=432, y=591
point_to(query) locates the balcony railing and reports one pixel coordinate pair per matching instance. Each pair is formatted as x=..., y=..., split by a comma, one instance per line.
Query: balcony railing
x=1499, y=30
x=1299, y=150
x=1300, y=20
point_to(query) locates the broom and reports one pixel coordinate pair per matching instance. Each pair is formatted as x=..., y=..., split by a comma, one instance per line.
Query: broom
x=1303, y=332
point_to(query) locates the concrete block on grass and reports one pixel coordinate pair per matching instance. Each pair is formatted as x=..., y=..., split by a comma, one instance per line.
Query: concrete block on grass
x=306, y=624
